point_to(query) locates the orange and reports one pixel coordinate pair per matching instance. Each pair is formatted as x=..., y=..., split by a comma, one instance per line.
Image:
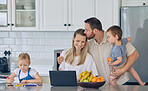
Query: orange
x=101, y=78
x=109, y=59
x=94, y=79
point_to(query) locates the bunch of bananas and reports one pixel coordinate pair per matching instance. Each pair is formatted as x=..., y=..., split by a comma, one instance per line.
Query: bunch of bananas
x=86, y=76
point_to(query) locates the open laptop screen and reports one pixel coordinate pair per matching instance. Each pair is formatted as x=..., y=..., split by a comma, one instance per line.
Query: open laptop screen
x=63, y=78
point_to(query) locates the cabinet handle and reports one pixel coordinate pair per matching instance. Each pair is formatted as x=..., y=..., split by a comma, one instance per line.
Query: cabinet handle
x=8, y=24
x=69, y=24
x=65, y=24
x=12, y=24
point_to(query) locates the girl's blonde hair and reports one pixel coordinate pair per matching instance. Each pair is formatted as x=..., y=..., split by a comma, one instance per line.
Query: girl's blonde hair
x=70, y=54
x=24, y=56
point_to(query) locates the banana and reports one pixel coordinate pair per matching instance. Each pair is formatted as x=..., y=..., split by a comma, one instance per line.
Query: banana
x=91, y=72
x=83, y=76
x=82, y=79
x=87, y=75
x=90, y=78
x=84, y=73
x=80, y=76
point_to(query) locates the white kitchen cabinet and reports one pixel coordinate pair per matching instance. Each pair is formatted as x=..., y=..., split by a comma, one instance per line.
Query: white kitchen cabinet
x=65, y=15
x=108, y=12
x=19, y=15
x=134, y=2
x=69, y=15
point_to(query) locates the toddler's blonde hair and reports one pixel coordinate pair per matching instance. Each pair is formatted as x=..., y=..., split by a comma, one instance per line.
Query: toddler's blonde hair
x=24, y=56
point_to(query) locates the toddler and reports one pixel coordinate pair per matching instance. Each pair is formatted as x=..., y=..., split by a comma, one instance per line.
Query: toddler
x=24, y=73
x=118, y=53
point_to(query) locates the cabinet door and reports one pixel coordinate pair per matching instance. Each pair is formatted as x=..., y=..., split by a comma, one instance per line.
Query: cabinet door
x=24, y=15
x=4, y=15
x=79, y=10
x=134, y=2
x=107, y=11
x=53, y=15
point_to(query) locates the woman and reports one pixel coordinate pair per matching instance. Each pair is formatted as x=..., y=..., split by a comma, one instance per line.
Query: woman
x=77, y=58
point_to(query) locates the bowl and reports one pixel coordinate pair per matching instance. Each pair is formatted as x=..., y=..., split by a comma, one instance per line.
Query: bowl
x=91, y=84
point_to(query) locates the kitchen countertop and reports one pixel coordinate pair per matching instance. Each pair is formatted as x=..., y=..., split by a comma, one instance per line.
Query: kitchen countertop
x=47, y=87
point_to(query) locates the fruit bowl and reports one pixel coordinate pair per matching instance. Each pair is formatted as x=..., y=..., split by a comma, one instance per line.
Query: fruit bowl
x=91, y=84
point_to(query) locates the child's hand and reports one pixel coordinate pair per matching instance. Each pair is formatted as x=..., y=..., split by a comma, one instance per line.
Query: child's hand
x=109, y=63
x=24, y=81
x=109, y=59
x=10, y=80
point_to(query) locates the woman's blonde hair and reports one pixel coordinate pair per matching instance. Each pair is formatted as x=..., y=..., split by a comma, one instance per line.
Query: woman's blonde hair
x=70, y=54
x=24, y=56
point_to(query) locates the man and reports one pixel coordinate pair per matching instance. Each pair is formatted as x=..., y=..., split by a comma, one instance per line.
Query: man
x=100, y=50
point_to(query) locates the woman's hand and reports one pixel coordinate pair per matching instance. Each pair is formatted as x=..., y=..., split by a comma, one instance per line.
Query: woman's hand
x=60, y=69
x=60, y=59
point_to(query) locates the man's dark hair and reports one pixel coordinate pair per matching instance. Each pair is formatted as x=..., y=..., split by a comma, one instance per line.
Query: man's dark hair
x=94, y=23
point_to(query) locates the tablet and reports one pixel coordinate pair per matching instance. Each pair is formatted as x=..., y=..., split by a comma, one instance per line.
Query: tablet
x=63, y=78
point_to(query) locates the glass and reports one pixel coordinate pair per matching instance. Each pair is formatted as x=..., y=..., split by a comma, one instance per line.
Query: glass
x=25, y=19
x=3, y=13
x=25, y=13
x=25, y=4
x=3, y=19
x=3, y=5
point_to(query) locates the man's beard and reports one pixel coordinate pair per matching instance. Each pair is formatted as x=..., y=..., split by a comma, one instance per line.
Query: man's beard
x=91, y=36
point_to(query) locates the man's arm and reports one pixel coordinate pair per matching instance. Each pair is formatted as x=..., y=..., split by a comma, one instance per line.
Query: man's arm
x=130, y=61
x=129, y=39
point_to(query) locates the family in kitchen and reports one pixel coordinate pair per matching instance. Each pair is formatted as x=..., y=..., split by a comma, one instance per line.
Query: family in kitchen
x=106, y=54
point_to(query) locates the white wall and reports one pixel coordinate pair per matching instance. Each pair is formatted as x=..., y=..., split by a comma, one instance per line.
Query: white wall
x=39, y=45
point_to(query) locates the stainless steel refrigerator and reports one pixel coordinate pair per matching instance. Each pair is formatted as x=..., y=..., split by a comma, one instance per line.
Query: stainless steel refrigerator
x=134, y=22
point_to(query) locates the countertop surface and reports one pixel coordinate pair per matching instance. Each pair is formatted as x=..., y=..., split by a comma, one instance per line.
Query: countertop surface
x=47, y=87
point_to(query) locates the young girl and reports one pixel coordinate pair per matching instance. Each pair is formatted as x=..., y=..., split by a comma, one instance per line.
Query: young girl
x=24, y=72
x=118, y=53
x=77, y=58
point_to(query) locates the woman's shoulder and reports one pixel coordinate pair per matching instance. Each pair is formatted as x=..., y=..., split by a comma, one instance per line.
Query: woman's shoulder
x=89, y=56
x=65, y=51
x=89, y=59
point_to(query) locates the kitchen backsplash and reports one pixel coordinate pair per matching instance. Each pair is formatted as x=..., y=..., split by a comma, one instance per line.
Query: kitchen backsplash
x=39, y=45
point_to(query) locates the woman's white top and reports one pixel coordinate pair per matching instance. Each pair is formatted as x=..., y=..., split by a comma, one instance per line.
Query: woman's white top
x=22, y=74
x=88, y=65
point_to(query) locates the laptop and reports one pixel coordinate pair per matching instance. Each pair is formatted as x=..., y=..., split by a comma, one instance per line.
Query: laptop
x=63, y=78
